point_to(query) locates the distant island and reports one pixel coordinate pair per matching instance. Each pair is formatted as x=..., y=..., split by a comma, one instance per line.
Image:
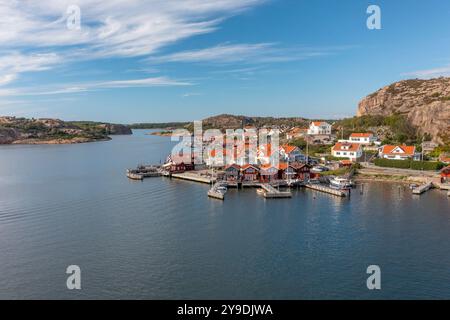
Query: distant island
x=54, y=131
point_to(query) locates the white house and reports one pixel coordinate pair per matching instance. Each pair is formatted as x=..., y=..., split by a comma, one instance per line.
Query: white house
x=296, y=132
x=397, y=152
x=363, y=138
x=349, y=150
x=319, y=128
x=291, y=153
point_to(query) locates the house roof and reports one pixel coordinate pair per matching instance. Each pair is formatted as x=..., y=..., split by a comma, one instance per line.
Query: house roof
x=245, y=167
x=297, y=130
x=288, y=148
x=407, y=150
x=444, y=158
x=319, y=123
x=446, y=170
x=346, y=162
x=235, y=166
x=268, y=166
x=298, y=165
x=361, y=135
x=351, y=146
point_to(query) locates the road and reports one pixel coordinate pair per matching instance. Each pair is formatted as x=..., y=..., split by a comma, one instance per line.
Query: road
x=370, y=168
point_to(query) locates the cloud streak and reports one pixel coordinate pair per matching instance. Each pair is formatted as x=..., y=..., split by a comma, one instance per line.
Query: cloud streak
x=93, y=86
x=247, y=53
x=34, y=35
x=430, y=73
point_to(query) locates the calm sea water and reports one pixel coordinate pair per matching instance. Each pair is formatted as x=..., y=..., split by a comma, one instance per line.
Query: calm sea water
x=164, y=239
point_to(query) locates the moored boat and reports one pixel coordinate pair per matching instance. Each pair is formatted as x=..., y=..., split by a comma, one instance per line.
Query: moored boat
x=340, y=183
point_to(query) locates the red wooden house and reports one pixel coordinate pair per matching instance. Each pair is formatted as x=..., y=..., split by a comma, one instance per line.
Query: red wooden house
x=250, y=173
x=302, y=170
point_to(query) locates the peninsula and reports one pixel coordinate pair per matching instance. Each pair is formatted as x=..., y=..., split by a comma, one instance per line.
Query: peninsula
x=54, y=131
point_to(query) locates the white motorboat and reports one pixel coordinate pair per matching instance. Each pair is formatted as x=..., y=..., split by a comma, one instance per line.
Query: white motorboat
x=341, y=183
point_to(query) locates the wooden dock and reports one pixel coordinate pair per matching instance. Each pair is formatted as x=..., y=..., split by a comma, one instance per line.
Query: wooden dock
x=422, y=188
x=273, y=193
x=192, y=177
x=326, y=189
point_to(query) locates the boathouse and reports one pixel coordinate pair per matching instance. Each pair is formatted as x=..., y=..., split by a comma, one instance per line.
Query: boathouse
x=232, y=172
x=250, y=173
x=268, y=173
x=303, y=171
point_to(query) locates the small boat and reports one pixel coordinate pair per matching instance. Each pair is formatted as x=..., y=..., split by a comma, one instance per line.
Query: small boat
x=221, y=188
x=216, y=194
x=413, y=186
x=133, y=175
x=340, y=183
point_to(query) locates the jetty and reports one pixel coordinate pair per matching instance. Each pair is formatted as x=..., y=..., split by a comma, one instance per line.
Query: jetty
x=272, y=193
x=143, y=171
x=422, y=188
x=193, y=177
x=326, y=189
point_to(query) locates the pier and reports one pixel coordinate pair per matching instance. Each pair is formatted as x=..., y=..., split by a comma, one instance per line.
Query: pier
x=326, y=189
x=142, y=172
x=422, y=188
x=273, y=193
x=193, y=177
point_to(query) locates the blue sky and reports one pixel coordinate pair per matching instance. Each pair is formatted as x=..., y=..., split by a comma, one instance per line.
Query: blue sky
x=178, y=60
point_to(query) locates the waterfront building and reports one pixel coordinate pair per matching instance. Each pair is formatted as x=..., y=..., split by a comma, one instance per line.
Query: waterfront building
x=250, y=173
x=319, y=128
x=232, y=172
x=268, y=173
x=348, y=150
x=397, y=152
x=303, y=170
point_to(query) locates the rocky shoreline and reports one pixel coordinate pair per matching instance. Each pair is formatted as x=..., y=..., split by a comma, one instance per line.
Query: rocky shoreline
x=54, y=131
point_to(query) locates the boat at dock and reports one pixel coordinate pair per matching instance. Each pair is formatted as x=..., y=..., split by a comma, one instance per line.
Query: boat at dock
x=133, y=175
x=217, y=191
x=340, y=183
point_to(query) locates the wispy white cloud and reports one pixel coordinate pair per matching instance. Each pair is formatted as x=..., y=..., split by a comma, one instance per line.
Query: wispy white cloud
x=34, y=35
x=191, y=94
x=114, y=27
x=430, y=73
x=14, y=63
x=92, y=86
x=248, y=53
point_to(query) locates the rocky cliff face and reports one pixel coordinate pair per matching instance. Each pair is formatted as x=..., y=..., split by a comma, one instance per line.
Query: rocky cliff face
x=426, y=103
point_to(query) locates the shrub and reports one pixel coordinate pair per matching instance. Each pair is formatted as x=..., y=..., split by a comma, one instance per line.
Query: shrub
x=408, y=164
x=402, y=164
x=426, y=165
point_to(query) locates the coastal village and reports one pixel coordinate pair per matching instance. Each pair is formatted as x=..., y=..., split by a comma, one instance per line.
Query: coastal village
x=361, y=157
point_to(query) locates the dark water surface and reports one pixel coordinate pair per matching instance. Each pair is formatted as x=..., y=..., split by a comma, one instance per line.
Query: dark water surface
x=162, y=238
